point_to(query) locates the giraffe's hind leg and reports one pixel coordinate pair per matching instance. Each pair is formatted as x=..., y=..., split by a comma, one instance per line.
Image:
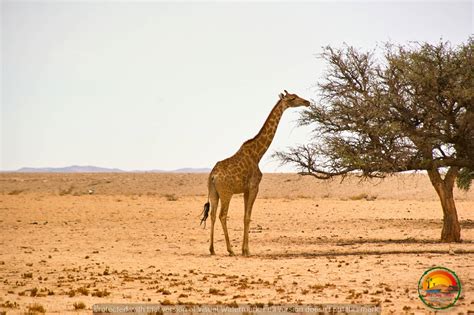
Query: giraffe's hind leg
x=225, y=201
x=214, y=199
x=249, y=199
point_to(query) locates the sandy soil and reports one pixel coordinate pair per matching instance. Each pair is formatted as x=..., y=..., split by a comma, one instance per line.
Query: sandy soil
x=97, y=238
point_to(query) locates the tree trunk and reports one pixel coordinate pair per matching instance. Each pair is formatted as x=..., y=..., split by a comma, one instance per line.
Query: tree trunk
x=444, y=187
x=451, y=230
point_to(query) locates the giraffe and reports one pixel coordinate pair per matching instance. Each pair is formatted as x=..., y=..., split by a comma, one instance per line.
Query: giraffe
x=240, y=173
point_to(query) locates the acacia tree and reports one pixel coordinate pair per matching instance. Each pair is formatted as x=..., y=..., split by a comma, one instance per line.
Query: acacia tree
x=410, y=109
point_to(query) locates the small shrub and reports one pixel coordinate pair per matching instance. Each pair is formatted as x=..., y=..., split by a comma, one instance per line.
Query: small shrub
x=9, y=304
x=16, y=192
x=317, y=287
x=100, y=293
x=164, y=291
x=214, y=291
x=79, y=305
x=301, y=197
x=34, y=292
x=67, y=191
x=27, y=275
x=359, y=196
x=371, y=198
x=171, y=197
x=83, y=291
x=166, y=302
x=36, y=307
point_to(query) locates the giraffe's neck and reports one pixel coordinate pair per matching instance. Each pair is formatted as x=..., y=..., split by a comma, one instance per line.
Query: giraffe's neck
x=258, y=145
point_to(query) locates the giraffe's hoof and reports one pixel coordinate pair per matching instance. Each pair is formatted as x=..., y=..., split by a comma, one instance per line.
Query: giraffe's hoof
x=213, y=252
x=231, y=253
x=246, y=253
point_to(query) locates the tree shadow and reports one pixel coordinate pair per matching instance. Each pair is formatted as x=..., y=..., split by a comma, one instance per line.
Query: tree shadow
x=361, y=241
x=409, y=240
x=466, y=224
x=332, y=253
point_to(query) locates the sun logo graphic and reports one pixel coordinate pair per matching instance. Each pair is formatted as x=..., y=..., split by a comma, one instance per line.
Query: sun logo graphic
x=439, y=288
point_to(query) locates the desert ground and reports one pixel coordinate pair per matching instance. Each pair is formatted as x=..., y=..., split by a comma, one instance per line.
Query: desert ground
x=69, y=241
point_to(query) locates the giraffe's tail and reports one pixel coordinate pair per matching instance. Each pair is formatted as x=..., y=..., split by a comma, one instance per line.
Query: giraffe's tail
x=207, y=205
x=205, y=213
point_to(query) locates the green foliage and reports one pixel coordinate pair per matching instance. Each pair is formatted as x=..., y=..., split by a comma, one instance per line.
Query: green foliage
x=465, y=178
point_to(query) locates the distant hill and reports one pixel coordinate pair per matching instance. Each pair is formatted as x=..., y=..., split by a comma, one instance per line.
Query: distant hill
x=95, y=169
x=191, y=170
x=70, y=169
x=179, y=170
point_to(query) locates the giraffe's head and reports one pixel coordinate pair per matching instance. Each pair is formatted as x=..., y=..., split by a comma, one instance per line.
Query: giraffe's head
x=293, y=100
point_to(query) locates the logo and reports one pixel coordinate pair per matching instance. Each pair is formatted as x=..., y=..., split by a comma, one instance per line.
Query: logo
x=439, y=288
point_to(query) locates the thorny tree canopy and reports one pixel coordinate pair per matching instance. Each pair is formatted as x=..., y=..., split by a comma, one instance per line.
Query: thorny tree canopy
x=412, y=109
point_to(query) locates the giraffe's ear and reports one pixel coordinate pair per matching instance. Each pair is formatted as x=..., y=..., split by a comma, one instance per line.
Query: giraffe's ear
x=281, y=96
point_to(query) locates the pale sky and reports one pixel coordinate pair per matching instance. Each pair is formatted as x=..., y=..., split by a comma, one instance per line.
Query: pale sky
x=163, y=85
